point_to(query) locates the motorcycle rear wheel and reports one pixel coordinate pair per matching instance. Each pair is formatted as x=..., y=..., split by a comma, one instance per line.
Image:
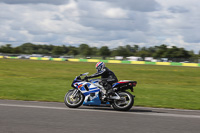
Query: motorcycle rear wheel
x=125, y=103
x=73, y=102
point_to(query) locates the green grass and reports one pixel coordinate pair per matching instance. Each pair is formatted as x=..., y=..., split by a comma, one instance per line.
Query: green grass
x=158, y=86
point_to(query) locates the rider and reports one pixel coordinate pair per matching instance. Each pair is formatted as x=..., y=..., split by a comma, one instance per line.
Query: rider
x=107, y=77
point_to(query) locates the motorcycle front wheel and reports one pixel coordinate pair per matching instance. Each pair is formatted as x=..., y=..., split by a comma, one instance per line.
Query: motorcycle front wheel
x=125, y=102
x=73, y=102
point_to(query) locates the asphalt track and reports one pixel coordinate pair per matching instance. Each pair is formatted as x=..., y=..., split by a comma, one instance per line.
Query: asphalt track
x=52, y=117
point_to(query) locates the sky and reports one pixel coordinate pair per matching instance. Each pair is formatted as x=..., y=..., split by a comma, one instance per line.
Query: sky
x=99, y=23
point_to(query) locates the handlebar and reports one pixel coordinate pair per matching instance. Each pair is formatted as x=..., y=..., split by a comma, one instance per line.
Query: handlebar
x=84, y=74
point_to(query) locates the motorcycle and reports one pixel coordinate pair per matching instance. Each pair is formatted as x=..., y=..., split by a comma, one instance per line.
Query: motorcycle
x=91, y=93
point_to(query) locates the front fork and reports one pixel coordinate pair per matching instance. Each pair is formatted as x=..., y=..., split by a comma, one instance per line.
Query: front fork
x=74, y=93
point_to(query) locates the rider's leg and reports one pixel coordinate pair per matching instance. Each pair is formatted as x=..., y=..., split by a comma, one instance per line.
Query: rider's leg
x=109, y=90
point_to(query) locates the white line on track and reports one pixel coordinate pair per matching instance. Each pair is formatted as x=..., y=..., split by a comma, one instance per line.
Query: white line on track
x=168, y=109
x=103, y=111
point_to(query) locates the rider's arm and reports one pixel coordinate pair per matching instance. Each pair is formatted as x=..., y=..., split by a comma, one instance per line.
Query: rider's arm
x=97, y=74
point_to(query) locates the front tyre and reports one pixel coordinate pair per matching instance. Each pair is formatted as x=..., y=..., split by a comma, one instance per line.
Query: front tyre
x=73, y=102
x=125, y=103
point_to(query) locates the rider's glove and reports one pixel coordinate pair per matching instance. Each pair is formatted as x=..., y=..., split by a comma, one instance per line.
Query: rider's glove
x=85, y=78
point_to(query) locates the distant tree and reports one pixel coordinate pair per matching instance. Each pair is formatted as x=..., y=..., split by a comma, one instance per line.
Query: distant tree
x=104, y=51
x=151, y=51
x=57, y=50
x=129, y=49
x=85, y=50
x=28, y=48
x=50, y=48
x=16, y=50
x=160, y=50
x=135, y=48
x=6, y=48
x=95, y=51
x=65, y=49
x=144, y=52
x=73, y=51
x=192, y=53
x=121, y=51
x=174, y=52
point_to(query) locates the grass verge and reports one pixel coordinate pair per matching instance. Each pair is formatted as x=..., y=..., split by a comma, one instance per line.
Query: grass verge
x=158, y=86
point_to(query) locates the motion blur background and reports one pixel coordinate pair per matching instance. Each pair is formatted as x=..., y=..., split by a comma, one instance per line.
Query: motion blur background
x=129, y=30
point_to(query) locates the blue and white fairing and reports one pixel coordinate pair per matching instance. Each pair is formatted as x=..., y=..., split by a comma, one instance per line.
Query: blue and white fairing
x=86, y=88
x=90, y=91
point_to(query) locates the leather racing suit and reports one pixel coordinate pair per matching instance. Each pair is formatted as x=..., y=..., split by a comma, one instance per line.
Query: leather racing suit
x=107, y=77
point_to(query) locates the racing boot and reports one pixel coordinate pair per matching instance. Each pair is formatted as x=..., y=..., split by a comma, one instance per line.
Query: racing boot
x=107, y=95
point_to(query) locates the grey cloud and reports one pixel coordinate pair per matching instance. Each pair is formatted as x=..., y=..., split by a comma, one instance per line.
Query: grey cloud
x=93, y=17
x=137, y=5
x=191, y=35
x=57, y=17
x=88, y=21
x=116, y=25
x=54, y=2
x=178, y=9
x=50, y=38
x=162, y=16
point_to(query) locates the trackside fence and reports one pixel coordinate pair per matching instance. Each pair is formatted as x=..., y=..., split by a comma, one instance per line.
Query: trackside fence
x=111, y=61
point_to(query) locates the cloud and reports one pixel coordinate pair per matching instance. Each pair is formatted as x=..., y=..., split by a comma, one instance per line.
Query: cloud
x=178, y=9
x=115, y=13
x=54, y=2
x=101, y=22
x=137, y=5
x=108, y=18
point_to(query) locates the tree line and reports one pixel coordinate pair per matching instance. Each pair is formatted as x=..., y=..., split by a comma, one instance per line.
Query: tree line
x=162, y=51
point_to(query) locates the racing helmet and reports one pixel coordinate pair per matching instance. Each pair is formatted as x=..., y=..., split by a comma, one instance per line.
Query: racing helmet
x=100, y=66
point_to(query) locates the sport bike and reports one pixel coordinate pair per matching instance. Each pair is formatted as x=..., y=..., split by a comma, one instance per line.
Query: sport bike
x=91, y=93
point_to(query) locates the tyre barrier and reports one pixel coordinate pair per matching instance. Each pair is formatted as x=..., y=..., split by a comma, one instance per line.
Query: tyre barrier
x=111, y=61
x=138, y=62
x=44, y=58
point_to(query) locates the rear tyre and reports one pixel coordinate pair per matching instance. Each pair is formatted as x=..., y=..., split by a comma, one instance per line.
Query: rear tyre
x=75, y=102
x=125, y=103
